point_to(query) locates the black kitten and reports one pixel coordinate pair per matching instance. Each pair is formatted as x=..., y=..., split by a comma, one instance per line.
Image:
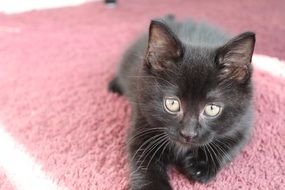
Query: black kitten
x=191, y=93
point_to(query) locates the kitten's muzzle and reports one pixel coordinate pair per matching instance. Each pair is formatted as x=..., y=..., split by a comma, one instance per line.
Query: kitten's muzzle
x=188, y=135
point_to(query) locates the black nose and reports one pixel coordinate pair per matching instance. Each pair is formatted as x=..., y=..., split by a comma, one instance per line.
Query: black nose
x=188, y=135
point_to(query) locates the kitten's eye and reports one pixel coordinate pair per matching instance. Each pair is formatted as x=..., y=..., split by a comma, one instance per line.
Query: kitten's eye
x=172, y=105
x=212, y=110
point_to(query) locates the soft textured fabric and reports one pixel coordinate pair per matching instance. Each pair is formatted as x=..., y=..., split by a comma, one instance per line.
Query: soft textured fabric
x=4, y=182
x=54, y=70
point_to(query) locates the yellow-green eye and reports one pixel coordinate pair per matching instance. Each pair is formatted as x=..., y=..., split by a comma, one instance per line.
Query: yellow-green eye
x=172, y=105
x=212, y=110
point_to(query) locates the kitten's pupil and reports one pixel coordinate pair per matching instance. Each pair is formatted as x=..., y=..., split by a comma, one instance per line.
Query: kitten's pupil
x=171, y=105
x=212, y=110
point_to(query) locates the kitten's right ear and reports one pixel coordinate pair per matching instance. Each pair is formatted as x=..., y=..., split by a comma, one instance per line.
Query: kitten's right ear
x=163, y=46
x=235, y=57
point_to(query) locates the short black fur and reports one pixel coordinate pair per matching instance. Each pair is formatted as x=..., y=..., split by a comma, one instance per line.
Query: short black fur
x=199, y=65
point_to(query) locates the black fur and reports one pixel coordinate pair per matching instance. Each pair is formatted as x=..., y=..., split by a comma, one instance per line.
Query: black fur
x=198, y=64
x=114, y=86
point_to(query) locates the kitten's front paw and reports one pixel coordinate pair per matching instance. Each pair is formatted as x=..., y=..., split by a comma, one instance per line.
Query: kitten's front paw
x=201, y=171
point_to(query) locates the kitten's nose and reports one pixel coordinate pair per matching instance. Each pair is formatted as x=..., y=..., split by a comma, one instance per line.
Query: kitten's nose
x=188, y=135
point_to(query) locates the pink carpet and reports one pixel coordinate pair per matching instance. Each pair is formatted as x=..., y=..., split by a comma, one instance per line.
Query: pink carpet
x=55, y=66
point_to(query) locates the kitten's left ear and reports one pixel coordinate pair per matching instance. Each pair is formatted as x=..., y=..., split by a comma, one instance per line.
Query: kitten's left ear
x=235, y=57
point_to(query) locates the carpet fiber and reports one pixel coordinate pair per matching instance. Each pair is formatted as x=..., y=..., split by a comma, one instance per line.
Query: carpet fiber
x=55, y=66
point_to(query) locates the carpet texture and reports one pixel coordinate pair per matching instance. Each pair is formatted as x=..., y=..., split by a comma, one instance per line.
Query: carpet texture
x=4, y=182
x=55, y=66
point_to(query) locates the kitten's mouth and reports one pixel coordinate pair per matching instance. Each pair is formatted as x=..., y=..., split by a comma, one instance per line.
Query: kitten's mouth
x=190, y=144
x=193, y=143
x=186, y=143
x=196, y=142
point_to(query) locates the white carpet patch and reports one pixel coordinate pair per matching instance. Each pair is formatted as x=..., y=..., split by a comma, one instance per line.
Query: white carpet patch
x=19, y=6
x=21, y=169
x=271, y=65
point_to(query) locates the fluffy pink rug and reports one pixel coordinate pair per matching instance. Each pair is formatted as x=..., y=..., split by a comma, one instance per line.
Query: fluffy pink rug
x=54, y=69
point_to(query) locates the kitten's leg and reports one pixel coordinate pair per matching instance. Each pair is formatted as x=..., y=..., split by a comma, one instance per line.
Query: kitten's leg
x=201, y=167
x=204, y=164
x=114, y=86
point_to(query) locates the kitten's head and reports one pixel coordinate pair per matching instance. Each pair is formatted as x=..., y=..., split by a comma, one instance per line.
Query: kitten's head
x=196, y=94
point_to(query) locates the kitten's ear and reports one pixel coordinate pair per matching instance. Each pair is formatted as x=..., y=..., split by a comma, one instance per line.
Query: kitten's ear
x=163, y=46
x=235, y=56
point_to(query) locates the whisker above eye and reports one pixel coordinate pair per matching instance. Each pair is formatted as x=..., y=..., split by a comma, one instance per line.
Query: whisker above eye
x=154, y=77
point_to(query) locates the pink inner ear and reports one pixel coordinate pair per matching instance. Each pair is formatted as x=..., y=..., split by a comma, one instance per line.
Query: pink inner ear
x=163, y=45
x=238, y=51
x=152, y=61
x=239, y=74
